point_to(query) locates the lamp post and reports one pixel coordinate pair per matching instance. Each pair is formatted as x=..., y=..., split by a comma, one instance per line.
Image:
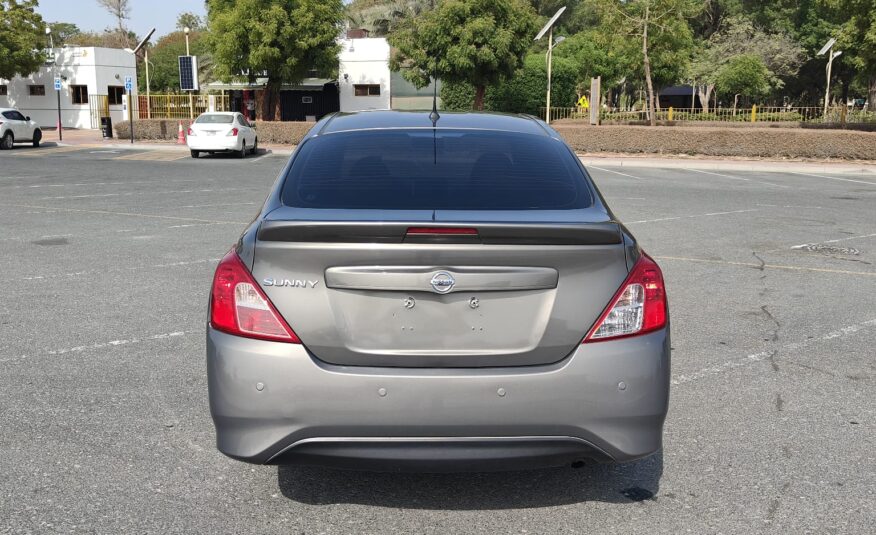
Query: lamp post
x=186, y=31
x=831, y=55
x=57, y=89
x=549, y=29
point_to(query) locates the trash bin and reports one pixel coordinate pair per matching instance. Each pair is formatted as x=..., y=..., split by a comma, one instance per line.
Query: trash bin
x=106, y=127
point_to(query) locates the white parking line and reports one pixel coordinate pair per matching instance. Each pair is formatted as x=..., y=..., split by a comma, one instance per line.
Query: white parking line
x=737, y=178
x=615, y=172
x=118, y=270
x=834, y=178
x=802, y=245
x=729, y=365
x=690, y=216
x=126, y=214
x=101, y=345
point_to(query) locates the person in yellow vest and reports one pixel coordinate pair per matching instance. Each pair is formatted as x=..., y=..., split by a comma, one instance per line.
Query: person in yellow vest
x=583, y=103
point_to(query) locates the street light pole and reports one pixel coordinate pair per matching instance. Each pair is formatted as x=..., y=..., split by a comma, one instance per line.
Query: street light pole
x=57, y=90
x=148, y=100
x=828, y=47
x=549, y=29
x=550, y=56
x=186, y=31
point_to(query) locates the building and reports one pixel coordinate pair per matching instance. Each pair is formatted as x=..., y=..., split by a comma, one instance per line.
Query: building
x=92, y=86
x=363, y=73
x=308, y=100
x=678, y=96
x=365, y=81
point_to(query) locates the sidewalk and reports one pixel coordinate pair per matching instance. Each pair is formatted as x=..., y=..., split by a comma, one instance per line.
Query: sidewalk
x=93, y=138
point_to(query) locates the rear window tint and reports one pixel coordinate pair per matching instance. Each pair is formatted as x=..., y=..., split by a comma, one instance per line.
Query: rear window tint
x=438, y=170
x=215, y=119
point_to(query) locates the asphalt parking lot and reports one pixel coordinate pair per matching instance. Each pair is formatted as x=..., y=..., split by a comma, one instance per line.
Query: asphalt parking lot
x=104, y=424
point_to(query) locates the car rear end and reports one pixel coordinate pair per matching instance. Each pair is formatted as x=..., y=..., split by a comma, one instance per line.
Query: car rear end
x=439, y=299
x=214, y=132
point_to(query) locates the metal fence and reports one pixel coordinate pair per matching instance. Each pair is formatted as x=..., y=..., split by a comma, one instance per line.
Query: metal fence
x=754, y=114
x=180, y=106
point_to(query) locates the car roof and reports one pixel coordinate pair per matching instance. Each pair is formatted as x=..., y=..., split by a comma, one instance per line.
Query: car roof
x=8, y=109
x=397, y=119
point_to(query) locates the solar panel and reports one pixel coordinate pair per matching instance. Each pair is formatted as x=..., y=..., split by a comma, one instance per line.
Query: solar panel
x=188, y=73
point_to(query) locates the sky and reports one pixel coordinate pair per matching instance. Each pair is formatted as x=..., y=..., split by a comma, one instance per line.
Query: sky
x=145, y=14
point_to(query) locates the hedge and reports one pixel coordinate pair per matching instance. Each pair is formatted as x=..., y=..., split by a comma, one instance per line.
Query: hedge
x=761, y=141
x=721, y=141
x=287, y=133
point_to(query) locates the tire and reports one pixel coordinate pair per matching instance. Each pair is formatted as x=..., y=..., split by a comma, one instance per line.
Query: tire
x=195, y=154
x=7, y=141
x=242, y=152
x=255, y=146
x=37, y=137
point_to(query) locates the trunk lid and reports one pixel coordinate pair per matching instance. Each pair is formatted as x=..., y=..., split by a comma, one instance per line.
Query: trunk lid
x=360, y=290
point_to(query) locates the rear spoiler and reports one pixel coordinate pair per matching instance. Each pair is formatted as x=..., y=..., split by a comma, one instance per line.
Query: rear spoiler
x=607, y=233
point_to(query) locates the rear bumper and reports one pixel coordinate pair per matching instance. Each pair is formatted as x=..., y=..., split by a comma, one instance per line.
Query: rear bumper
x=213, y=143
x=275, y=403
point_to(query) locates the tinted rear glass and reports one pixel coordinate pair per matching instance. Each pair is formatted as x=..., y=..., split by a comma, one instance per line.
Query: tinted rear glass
x=435, y=170
x=215, y=119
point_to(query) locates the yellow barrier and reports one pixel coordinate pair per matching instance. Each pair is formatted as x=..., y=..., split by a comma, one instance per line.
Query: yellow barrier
x=754, y=113
x=179, y=106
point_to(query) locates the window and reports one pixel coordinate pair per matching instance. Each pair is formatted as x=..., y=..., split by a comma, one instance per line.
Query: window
x=36, y=90
x=435, y=170
x=79, y=93
x=215, y=118
x=367, y=90
x=115, y=94
x=13, y=115
x=3, y=90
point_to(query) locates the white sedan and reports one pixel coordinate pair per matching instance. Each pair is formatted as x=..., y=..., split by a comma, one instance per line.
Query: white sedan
x=16, y=128
x=221, y=132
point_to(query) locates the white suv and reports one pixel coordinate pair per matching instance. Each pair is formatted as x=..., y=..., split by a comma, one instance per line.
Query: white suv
x=16, y=128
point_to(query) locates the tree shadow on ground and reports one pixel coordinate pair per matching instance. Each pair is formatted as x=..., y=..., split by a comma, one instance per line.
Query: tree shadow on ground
x=618, y=483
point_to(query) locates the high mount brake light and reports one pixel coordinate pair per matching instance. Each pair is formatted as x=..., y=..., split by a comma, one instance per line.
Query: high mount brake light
x=638, y=307
x=446, y=231
x=238, y=305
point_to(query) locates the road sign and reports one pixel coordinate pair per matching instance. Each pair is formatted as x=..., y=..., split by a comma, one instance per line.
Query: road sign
x=57, y=83
x=129, y=83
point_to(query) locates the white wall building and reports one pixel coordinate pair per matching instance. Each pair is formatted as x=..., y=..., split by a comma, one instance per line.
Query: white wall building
x=86, y=73
x=363, y=74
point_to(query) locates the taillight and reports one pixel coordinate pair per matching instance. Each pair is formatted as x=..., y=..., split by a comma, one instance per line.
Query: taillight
x=233, y=132
x=239, y=306
x=191, y=132
x=638, y=307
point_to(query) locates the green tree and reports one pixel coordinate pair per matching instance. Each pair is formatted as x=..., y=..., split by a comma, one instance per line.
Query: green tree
x=280, y=39
x=62, y=32
x=164, y=60
x=22, y=38
x=857, y=39
x=189, y=20
x=662, y=32
x=525, y=91
x=745, y=74
x=738, y=36
x=465, y=41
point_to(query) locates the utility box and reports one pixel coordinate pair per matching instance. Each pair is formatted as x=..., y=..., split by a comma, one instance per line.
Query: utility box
x=106, y=127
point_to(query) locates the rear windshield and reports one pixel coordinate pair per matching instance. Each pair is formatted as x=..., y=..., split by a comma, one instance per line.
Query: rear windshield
x=215, y=119
x=435, y=170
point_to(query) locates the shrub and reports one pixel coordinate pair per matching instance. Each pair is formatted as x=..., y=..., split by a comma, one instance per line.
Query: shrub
x=287, y=132
x=721, y=141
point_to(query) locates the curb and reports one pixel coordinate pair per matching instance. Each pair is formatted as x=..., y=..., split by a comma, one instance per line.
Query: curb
x=731, y=165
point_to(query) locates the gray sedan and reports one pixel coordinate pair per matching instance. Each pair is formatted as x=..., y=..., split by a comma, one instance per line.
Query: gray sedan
x=437, y=294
